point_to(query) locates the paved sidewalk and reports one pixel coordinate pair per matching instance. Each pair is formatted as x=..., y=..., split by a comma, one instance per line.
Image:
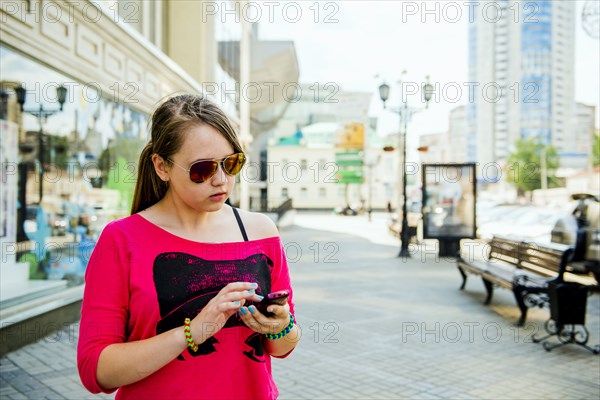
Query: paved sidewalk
x=375, y=327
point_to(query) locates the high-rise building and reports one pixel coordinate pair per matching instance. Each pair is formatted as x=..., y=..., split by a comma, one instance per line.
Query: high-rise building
x=452, y=146
x=434, y=148
x=521, y=68
x=582, y=137
x=458, y=138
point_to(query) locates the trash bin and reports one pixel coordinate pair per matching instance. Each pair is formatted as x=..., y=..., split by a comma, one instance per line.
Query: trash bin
x=568, y=302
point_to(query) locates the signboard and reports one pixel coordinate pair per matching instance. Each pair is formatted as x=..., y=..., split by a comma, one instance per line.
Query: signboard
x=349, y=159
x=352, y=136
x=449, y=201
x=350, y=176
x=350, y=167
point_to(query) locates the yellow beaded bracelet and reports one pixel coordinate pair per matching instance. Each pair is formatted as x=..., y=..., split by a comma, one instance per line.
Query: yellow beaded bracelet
x=188, y=335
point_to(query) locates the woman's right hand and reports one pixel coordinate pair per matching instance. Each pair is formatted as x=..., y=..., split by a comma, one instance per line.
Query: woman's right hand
x=215, y=314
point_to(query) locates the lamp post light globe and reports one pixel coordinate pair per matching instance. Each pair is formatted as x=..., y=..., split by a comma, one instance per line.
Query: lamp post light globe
x=405, y=112
x=384, y=92
x=61, y=95
x=428, y=91
x=21, y=94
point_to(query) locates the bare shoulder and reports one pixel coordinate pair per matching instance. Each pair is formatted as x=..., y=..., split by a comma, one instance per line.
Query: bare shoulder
x=258, y=226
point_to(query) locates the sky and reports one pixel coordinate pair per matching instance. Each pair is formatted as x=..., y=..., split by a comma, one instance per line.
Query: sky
x=351, y=42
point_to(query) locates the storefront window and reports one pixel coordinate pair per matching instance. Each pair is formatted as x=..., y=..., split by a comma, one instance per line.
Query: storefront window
x=88, y=165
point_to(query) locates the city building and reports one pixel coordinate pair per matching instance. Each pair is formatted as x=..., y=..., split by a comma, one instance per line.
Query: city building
x=314, y=113
x=305, y=167
x=521, y=64
x=582, y=137
x=453, y=146
x=460, y=144
x=435, y=148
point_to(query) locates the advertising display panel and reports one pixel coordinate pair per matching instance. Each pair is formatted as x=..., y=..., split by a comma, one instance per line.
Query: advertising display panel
x=449, y=192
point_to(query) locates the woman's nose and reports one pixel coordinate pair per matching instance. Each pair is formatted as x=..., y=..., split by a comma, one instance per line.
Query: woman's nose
x=220, y=177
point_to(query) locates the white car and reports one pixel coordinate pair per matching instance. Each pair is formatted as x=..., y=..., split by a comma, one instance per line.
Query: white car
x=519, y=222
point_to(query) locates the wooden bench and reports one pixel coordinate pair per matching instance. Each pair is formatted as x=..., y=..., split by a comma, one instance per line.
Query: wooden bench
x=395, y=229
x=523, y=267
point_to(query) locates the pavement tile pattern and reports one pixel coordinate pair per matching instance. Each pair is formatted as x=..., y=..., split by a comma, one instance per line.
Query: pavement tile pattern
x=374, y=327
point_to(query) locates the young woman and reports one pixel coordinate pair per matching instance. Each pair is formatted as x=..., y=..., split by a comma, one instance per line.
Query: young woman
x=169, y=304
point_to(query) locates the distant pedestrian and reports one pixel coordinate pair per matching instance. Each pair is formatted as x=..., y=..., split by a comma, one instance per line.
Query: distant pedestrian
x=168, y=305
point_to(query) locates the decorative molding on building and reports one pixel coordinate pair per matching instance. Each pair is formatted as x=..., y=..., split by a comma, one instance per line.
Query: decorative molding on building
x=91, y=47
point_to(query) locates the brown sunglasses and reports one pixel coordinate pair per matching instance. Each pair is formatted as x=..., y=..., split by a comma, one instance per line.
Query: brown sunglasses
x=202, y=170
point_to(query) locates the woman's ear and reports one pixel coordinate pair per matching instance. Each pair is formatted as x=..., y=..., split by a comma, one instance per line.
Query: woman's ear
x=161, y=167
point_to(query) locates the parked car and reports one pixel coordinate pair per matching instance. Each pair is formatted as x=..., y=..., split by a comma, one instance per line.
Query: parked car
x=346, y=211
x=518, y=222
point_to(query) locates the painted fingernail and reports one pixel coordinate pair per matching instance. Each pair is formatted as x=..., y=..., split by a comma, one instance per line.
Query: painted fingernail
x=240, y=311
x=251, y=291
x=243, y=311
x=259, y=297
x=254, y=284
x=252, y=309
x=237, y=303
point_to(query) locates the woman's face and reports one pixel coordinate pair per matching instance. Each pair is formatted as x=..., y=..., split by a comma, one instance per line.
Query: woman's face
x=201, y=142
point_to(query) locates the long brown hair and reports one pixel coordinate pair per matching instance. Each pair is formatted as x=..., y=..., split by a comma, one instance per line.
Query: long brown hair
x=169, y=122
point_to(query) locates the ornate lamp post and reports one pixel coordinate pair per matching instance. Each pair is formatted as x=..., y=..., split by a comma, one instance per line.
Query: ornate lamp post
x=405, y=112
x=41, y=114
x=370, y=165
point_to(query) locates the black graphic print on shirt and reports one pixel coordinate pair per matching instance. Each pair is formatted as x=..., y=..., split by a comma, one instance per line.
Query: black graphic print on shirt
x=186, y=283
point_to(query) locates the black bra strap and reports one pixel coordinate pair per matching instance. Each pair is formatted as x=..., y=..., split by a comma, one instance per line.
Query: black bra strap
x=240, y=224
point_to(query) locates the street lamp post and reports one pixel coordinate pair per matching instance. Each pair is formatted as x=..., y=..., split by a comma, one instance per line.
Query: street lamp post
x=370, y=166
x=41, y=114
x=405, y=112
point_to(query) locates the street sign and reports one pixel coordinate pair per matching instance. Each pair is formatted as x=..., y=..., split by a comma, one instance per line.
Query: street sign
x=349, y=159
x=350, y=176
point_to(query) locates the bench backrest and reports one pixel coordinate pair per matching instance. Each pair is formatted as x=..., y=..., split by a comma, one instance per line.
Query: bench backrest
x=548, y=259
x=505, y=250
x=544, y=259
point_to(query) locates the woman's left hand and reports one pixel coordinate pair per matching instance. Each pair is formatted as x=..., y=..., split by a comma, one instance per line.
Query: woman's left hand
x=275, y=322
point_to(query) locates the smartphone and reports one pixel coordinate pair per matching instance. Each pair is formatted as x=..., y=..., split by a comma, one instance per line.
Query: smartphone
x=278, y=298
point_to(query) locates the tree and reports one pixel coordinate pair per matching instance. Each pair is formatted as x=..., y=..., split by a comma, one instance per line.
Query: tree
x=118, y=163
x=524, y=170
x=120, y=157
x=596, y=150
x=123, y=181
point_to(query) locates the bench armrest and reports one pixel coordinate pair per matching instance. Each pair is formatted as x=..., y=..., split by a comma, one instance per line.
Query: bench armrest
x=565, y=259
